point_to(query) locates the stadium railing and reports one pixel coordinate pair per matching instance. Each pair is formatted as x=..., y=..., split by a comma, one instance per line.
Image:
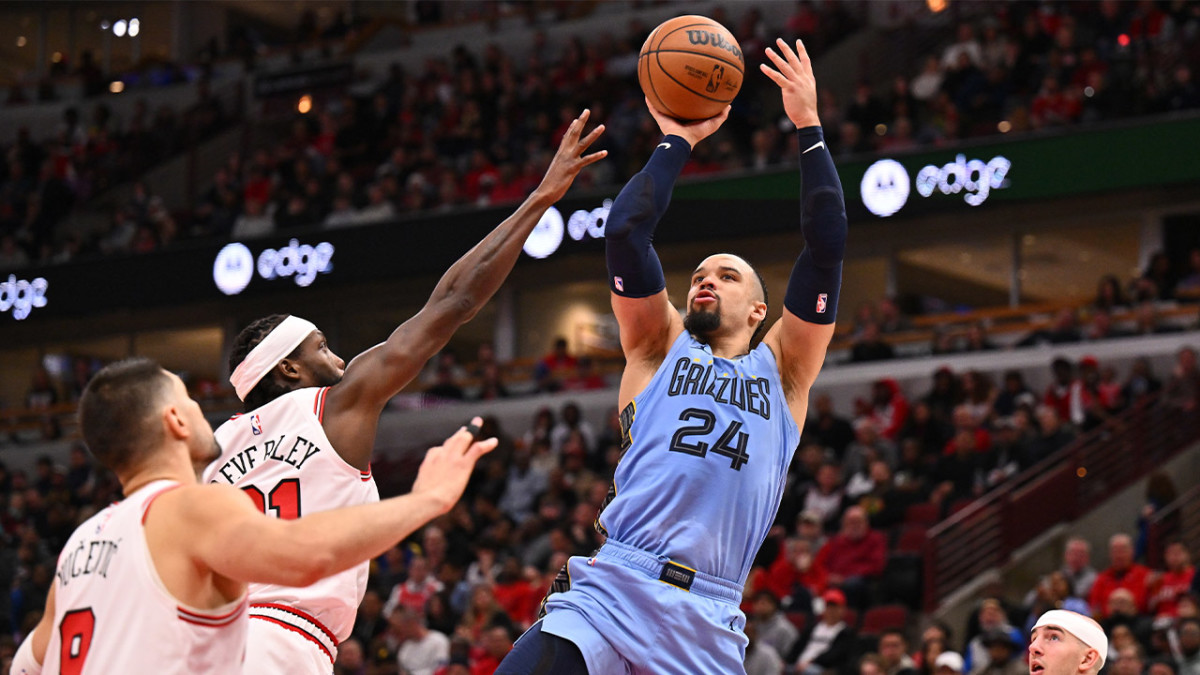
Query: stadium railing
x=1061, y=488
x=1178, y=520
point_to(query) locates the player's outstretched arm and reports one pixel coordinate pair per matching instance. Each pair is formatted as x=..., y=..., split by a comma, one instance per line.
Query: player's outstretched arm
x=648, y=323
x=379, y=373
x=800, y=338
x=224, y=532
x=32, y=653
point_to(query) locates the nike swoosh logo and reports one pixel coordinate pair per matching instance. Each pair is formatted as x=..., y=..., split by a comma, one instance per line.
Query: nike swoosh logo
x=664, y=145
x=818, y=144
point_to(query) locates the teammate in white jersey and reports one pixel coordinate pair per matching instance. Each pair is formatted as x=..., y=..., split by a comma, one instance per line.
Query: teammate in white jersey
x=305, y=441
x=156, y=583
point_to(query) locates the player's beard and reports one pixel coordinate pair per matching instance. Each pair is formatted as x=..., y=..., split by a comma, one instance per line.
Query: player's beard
x=702, y=323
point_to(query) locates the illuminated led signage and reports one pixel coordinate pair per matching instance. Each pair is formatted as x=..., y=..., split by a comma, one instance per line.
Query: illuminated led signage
x=235, y=265
x=548, y=234
x=886, y=186
x=22, y=296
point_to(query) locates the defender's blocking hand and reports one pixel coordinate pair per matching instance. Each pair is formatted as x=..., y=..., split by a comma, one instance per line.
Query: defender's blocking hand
x=444, y=472
x=570, y=160
x=796, y=82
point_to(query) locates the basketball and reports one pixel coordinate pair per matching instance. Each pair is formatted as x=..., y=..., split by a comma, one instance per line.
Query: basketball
x=690, y=67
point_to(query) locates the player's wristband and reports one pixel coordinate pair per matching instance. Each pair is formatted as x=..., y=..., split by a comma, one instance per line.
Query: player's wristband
x=23, y=662
x=812, y=291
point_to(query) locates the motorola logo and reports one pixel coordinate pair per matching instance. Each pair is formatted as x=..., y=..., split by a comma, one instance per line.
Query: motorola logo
x=885, y=187
x=235, y=265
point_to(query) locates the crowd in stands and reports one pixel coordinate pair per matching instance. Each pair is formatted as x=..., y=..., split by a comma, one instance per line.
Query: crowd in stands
x=453, y=597
x=42, y=180
x=472, y=129
x=1119, y=310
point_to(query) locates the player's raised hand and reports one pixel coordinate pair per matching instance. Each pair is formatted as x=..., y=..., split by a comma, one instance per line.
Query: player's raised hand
x=570, y=160
x=796, y=81
x=692, y=132
x=444, y=472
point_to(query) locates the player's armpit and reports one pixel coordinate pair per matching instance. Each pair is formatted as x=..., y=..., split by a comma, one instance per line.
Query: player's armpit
x=799, y=347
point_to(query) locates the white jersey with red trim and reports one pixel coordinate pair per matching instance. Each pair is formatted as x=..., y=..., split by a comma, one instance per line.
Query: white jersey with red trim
x=279, y=454
x=112, y=613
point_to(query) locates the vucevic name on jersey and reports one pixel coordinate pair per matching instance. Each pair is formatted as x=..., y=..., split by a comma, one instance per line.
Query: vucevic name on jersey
x=108, y=589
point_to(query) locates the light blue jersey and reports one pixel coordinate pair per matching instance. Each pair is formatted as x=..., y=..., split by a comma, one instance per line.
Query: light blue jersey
x=709, y=444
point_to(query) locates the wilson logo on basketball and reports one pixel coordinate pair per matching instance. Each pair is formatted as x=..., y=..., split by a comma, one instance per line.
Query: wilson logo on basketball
x=704, y=37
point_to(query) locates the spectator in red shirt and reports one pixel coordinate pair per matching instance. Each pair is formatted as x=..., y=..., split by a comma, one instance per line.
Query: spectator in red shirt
x=515, y=594
x=1122, y=572
x=585, y=377
x=496, y=644
x=854, y=556
x=1065, y=392
x=889, y=408
x=555, y=367
x=796, y=576
x=416, y=591
x=965, y=421
x=1174, y=582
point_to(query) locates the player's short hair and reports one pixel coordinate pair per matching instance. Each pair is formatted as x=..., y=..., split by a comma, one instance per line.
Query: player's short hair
x=118, y=412
x=761, y=329
x=267, y=389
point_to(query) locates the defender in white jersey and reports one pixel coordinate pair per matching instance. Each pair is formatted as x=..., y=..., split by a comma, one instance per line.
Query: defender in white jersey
x=157, y=582
x=282, y=447
x=305, y=441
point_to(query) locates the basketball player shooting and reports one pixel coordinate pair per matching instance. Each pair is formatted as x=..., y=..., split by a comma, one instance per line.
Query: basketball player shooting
x=156, y=583
x=709, y=423
x=305, y=441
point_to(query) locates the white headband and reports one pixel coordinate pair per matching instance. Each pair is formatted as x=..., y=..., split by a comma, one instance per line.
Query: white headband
x=275, y=347
x=1088, y=631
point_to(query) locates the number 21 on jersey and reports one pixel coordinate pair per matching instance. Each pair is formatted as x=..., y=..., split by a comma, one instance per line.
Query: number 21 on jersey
x=283, y=501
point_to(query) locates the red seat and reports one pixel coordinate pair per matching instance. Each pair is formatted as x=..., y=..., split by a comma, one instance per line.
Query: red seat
x=912, y=539
x=923, y=514
x=798, y=619
x=878, y=619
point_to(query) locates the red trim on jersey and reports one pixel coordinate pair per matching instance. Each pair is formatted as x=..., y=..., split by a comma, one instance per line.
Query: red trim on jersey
x=319, y=404
x=235, y=416
x=156, y=495
x=296, y=630
x=365, y=475
x=303, y=615
x=209, y=620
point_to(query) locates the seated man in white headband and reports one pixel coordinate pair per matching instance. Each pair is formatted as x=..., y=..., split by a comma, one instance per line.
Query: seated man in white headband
x=1066, y=643
x=304, y=443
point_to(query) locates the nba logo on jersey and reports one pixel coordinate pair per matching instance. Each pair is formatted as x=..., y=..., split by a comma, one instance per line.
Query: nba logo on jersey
x=619, y=283
x=256, y=425
x=822, y=302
